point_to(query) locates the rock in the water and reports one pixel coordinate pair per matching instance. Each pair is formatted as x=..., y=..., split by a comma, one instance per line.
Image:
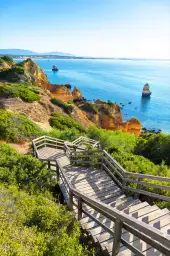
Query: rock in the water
x=146, y=90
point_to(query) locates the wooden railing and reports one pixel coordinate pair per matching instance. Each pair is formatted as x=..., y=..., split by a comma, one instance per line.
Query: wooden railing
x=46, y=141
x=86, y=141
x=133, y=182
x=122, y=222
x=128, y=181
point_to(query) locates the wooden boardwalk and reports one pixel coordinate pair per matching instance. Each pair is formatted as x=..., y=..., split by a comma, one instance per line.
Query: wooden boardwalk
x=96, y=184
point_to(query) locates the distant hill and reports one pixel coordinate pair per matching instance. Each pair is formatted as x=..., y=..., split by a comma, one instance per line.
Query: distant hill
x=56, y=53
x=28, y=52
x=16, y=52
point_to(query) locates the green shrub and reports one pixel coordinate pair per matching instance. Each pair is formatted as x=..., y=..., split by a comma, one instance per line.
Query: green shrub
x=1, y=61
x=23, y=91
x=63, y=122
x=8, y=59
x=24, y=171
x=90, y=107
x=65, y=106
x=16, y=128
x=68, y=134
x=155, y=147
x=110, y=139
x=12, y=75
x=35, y=225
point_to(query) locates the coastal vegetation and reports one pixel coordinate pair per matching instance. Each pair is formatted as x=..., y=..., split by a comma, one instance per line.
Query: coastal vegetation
x=8, y=59
x=12, y=75
x=67, y=107
x=63, y=122
x=17, y=128
x=90, y=107
x=25, y=91
x=32, y=221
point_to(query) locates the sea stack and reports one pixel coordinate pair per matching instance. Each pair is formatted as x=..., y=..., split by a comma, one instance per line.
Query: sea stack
x=54, y=68
x=146, y=90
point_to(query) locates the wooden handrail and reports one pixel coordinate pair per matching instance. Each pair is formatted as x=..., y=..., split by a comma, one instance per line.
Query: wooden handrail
x=123, y=178
x=143, y=231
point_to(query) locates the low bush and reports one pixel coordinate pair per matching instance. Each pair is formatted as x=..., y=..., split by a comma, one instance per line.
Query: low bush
x=63, y=122
x=13, y=74
x=111, y=139
x=68, y=134
x=24, y=91
x=24, y=171
x=8, y=59
x=15, y=127
x=90, y=107
x=155, y=147
x=65, y=106
x=35, y=225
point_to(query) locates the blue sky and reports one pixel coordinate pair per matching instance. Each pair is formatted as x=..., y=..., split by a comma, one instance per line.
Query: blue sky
x=106, y=28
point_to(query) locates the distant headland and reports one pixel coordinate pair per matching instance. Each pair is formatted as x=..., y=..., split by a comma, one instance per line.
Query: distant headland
x=24, y=54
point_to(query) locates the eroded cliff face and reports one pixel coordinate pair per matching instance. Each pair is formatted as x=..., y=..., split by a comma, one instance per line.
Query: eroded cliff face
x=33, y=72
x=109, y=117
x=104, y=115
x=76, y=93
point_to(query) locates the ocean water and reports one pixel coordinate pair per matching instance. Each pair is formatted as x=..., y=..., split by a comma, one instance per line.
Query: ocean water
x=120, y=81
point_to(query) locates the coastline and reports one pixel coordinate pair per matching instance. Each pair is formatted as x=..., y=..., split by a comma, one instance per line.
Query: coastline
x=120, y=82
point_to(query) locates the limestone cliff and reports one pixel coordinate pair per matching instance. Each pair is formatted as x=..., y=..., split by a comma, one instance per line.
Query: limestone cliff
x=105, y=115
x=108, y=116
x=33, y=73
x=76, y=93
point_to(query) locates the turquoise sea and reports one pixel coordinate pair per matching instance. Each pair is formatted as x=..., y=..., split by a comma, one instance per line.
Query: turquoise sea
x=120, y=81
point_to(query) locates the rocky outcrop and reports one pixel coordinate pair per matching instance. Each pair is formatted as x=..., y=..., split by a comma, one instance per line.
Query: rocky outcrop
x=76, y=93
x=99, y=101
x=133, y=126
x=108, y=116
x=33, y=73
x=61, y=92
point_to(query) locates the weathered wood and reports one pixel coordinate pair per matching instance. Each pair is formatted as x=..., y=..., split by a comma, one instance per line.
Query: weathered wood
x=112, y=175
x=146, y=176
x=139, y=181
x=98, y=216
x=117, y=236
x=150, y=194
x=113, y=167
x=79, y=208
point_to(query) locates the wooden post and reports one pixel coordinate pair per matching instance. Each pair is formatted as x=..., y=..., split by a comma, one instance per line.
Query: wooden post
x=136, y=196
x=117, y=237
x=123, y=183
x=57, y=172
x=71, y=200
x=102, y=161
x=49, y=165
x=79, y=208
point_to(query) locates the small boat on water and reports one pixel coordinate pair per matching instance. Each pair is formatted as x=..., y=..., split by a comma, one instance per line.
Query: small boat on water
x=54, y=68
x=146, y=91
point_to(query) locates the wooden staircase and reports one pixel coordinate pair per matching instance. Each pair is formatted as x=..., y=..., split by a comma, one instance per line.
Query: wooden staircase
x=92, y=188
